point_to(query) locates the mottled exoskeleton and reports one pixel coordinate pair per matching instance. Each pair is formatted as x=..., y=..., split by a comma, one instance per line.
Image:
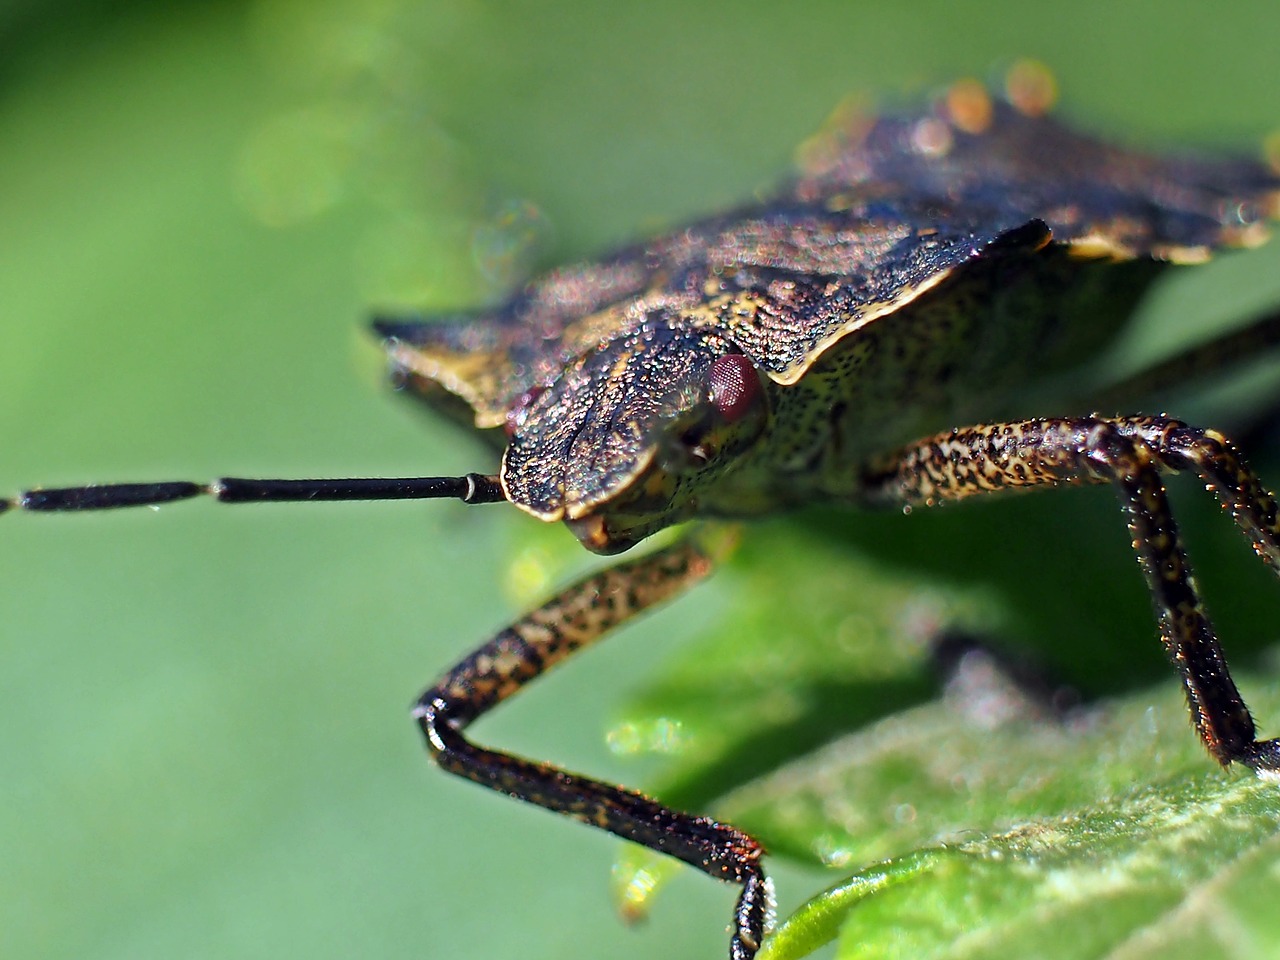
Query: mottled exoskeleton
x=903, y=323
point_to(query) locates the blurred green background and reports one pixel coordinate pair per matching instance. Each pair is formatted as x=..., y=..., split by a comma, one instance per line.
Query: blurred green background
x=205, y=749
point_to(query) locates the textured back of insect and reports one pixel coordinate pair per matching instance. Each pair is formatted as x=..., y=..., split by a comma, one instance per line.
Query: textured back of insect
x=919, y=273
x=902, y=324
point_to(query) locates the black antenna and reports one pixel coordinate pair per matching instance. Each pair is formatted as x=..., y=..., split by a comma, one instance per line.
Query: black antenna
x=471, y=488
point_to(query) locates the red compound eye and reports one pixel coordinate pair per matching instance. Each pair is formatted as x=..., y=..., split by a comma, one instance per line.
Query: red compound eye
x=735, y=386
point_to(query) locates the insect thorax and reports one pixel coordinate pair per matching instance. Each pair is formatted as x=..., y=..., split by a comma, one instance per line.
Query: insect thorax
x=992, y=340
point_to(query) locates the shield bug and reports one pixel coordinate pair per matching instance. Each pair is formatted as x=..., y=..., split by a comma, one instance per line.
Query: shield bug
x=903, y=323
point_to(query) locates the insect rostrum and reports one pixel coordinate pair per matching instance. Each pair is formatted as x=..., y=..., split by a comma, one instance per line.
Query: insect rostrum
x=868, y=336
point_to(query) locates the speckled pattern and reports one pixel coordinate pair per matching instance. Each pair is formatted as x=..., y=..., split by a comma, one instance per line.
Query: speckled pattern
x=1130, y=453
x=575, y=618
x=532, y=645
x=955, y=266
x=920, y=272
x=889, y=220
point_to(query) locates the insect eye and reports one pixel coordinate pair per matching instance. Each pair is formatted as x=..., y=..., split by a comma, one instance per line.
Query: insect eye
x=735, y=386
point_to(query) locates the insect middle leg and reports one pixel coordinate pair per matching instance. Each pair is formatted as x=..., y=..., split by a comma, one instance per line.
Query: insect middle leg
x=533, y=644
x=1131, y=453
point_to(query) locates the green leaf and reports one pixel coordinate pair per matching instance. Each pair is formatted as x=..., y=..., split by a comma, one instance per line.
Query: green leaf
x=1165, y=871
x=815, y=725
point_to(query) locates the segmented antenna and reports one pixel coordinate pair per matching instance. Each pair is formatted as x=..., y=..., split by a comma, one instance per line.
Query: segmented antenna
x=471, y=488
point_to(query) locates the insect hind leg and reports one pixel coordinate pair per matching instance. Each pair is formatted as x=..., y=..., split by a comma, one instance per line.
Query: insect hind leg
x=1130, y=453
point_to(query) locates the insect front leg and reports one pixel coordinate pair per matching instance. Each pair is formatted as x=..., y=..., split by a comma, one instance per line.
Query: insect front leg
x=533, y=644
x=1129, y=452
